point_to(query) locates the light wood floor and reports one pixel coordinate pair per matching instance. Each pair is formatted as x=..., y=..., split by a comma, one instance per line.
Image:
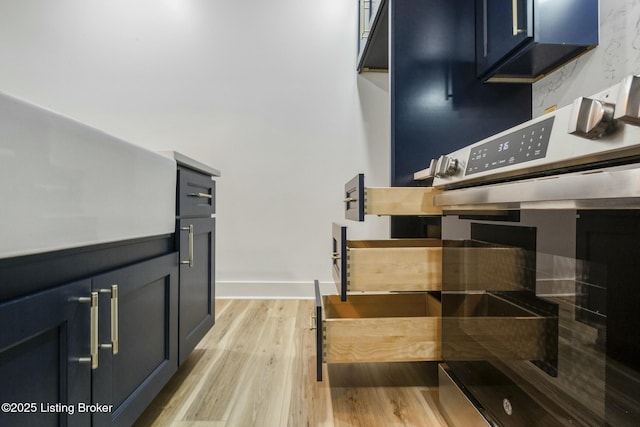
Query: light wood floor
x=256, y=367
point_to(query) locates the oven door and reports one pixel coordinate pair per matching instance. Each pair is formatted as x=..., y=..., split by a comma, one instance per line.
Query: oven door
x=540, y=322
x=487, y=307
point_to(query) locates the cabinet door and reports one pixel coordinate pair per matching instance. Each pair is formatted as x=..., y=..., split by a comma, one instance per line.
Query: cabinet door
x=197, y=281
x=146, y=310
x=43, y=338
x=609, y=242
x=501, y=26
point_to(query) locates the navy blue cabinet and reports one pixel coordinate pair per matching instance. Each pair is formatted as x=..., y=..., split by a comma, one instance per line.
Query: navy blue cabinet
x=195, y=241
x=521, y=40
x=197, y=281
x=138, y=354
x=373, y=35
x=45, y=369
x=97, y=351
x=196, y=194
x=500, y=29
x=437, y=102
x=94, y=352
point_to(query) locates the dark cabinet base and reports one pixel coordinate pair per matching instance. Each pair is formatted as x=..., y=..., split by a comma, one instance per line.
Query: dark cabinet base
x=197, y=283
x=42, y=341
x=195, y=241
x=46, y=373
x=147, y=333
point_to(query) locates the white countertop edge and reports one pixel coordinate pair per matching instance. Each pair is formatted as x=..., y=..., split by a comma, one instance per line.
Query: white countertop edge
x=189, y=162
x=83, y=244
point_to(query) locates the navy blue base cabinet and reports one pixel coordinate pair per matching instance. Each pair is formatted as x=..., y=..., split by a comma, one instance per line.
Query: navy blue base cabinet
x=93, y=352
x=90, y=335
x=195, y=241
x=147, y=345
x=44, y=351
x=197, y=280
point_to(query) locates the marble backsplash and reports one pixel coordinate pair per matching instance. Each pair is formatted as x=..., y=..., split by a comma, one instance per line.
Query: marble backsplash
x=617, y=55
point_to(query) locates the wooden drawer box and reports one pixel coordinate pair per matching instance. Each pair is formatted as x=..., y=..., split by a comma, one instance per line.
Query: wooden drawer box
x=377, y=328
x=360, y=200
x=486, y=326
x=469, y=265
x=385, y=265
x=196, y=194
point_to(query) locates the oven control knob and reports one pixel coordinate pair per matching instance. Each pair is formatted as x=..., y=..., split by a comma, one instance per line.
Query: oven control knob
x=628, y=102
x=591, y=118
x=446, y=166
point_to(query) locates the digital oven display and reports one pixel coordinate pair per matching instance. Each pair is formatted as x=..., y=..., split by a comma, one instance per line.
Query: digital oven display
x=521, y=146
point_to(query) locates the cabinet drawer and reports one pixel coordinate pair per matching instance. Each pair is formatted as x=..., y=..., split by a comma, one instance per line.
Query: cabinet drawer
x=488, y=326
x=196, y=194
x=385, y=265
x=360, y=200
x=379, y=328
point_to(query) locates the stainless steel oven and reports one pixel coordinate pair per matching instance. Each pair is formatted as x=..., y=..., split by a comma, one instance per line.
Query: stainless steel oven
x=541, y=277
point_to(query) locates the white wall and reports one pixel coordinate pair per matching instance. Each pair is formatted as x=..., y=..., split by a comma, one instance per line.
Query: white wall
x=616, y=56
x=265, y=91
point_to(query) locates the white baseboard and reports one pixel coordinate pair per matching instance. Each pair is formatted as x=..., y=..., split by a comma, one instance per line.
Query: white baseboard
x=271, y=290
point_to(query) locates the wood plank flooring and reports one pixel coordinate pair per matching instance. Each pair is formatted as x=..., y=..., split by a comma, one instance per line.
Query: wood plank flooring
x=256, y=367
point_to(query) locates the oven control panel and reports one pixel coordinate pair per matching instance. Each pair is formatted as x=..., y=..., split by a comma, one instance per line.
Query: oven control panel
x=601, y=129
x=524, y=145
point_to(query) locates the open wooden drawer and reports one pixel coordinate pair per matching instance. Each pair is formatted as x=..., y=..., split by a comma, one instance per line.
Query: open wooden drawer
x=488, y=326
x=469, y=265
x=377, y=328
x=385, y=265
x=360, y=200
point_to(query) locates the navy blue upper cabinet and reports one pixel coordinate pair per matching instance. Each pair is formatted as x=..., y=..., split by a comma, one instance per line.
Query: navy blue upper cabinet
x=373, y=35
x=522, y=40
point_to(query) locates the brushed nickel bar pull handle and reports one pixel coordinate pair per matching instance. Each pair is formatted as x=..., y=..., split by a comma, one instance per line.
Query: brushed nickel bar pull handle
x=114, y=319
x=516, y=30
x=190, y=230
x=93, y=331
x=201, y=195
x=349, y=199
x=335, y=255
x=113, y=292
x=314, y=323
